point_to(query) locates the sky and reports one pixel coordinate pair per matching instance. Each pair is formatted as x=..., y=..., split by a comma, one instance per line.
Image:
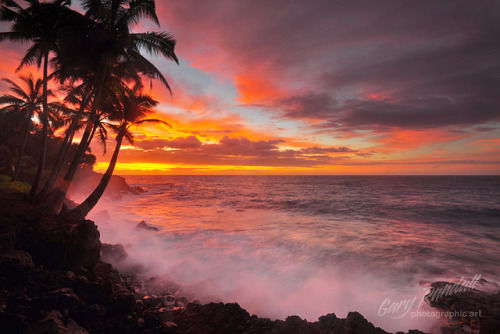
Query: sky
x=320, y=87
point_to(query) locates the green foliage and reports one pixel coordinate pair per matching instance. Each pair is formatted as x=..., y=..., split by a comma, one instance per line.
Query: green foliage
x=8, y=187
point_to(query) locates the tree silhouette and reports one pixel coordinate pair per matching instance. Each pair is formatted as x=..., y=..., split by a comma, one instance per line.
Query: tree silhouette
x=25, y=104
x=113, y=46
x=39, y=23
x=131, y=111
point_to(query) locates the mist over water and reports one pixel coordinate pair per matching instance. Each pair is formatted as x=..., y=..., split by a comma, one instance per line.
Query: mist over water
x=312, y=245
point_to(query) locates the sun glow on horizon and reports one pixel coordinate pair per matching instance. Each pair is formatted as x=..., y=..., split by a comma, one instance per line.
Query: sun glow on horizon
x=140, y=168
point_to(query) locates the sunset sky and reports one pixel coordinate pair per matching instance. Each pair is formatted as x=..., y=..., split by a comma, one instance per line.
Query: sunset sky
x=320, y=87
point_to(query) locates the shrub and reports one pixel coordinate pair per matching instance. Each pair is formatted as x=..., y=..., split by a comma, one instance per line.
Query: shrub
x=6, y=186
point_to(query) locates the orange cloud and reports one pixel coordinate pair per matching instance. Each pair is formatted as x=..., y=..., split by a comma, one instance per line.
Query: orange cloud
x=399, y=140
x=255, y=89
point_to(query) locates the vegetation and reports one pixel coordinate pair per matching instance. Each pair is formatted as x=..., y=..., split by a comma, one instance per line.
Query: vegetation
x=96, y=59
x=23, y=105
x=9, y=187
x=129, y=111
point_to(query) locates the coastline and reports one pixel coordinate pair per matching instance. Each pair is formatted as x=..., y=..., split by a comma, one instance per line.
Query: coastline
x=54, y=279
x=87, y=180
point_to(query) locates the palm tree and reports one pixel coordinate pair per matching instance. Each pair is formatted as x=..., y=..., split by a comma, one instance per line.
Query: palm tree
x=81, y=97
x=78, y=98
x=112, y=42
x=131, y=111
x=26, y=103
x=10, y=124
x=39, y=23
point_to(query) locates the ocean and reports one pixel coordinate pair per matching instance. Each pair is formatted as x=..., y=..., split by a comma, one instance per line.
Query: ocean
x=312, y=245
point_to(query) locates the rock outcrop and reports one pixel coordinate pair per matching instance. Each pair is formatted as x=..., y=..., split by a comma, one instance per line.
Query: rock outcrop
x=469, y=310
x=52, y=280
x=143, y=226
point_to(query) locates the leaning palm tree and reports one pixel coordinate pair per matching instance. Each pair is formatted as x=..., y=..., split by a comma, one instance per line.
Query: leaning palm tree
x=74, y=105
x=39, y=23
x=133, y=109
x=113, y=42
x=26, y=103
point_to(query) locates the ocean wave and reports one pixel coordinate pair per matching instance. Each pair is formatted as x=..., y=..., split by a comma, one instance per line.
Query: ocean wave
x=303, y=243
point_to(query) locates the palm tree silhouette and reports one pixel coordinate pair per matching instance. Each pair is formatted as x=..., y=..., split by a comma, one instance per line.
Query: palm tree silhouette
x=96, y=50
x=112, y=42
x=26, y=104
x=130, y=112
x=38, y=23
x=77, y=98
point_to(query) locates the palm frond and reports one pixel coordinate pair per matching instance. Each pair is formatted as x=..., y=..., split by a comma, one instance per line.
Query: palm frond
x=114, y=127
x=15, y=88
x=12, y=3
x=156, y=43
x=13, y=36
x=129, y=136
x=32, y=56
x=39, y=88
x=149, y=121
x=9, y=14
x=62, y=2
x=103, y=137
x=145, y=67
x=140, y=9
x=61, y=108
x=10, y=99
x=92, y=7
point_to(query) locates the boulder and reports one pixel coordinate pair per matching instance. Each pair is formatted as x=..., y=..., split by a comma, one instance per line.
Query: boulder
x=53, y=323
x=123, y=302
x=19, y=256
x=86, y=244
x=113, y=253
x=475, y=309
x=68, y=245
x=138, y=190
x=356, y=323
x=143, y=226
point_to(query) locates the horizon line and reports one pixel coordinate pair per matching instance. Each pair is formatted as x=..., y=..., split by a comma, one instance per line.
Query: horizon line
x=123, y=175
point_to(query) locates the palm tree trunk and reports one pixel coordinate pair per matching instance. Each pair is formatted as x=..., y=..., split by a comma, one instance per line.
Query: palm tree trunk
x=57, y=165
x=21, y=152
x=45, y=121
x=82, y=148
x=91, y=137
x=63, y=151
x=64, y=160
x=56, y=198
x=86, y=206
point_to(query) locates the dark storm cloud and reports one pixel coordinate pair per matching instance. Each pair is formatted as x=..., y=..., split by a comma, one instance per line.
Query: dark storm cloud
x=360, y=64
x=308, y=105
x=429, y=87
x=413, y=113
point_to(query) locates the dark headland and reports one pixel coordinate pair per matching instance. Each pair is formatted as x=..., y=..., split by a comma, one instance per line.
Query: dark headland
x=52, y=280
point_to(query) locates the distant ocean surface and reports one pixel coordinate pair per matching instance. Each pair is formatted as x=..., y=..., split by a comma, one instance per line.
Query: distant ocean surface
x=312, y=245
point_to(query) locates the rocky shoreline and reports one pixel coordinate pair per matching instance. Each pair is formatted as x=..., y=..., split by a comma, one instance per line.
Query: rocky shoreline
x=53, y=280
x=86, y=181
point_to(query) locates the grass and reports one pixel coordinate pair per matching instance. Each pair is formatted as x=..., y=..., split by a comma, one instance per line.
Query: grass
x=9, y=187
